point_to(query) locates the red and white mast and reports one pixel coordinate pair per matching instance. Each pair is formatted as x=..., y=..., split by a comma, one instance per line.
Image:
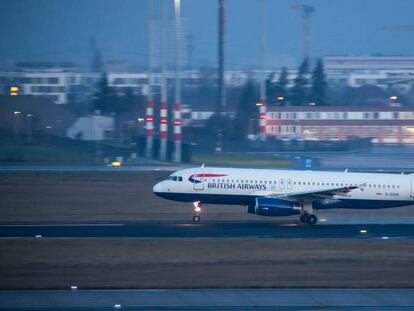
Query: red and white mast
x=177, y=104
x=149, y=113
x=164, y=90
x=262, y=102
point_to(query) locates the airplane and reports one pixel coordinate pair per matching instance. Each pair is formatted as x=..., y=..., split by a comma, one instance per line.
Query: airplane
x=276, y=193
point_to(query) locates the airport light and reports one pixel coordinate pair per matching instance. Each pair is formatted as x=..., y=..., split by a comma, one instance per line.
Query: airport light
x=280, y=98
x=73, y=287
x=14, y=90
x=16, y=113
x=312, y=104
x=259, y=104
x=393, y=97
x=363, y=231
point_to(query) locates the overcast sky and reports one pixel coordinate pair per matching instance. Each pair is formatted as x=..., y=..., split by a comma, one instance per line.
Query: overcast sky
x=60, y=29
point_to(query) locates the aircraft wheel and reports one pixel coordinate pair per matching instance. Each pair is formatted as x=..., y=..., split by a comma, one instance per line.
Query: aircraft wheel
x=311, y=219
x=196, y=218
x=303, y=218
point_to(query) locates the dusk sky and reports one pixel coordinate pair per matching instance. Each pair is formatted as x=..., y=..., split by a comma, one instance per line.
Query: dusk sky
x=60, y=29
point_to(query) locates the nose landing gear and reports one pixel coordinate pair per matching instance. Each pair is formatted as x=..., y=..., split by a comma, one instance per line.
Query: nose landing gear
x=197, y=211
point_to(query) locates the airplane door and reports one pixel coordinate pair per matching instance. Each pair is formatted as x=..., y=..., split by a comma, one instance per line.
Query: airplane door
x=198, y=181
x=412, y=188
x=282, y=184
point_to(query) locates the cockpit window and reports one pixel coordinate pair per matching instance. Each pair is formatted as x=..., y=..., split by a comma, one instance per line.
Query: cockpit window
x=175, y=178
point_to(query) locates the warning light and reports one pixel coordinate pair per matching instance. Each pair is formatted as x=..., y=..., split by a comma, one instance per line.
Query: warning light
x=14, y=90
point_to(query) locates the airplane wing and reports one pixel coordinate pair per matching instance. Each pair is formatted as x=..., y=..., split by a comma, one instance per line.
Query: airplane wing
x=308, y=196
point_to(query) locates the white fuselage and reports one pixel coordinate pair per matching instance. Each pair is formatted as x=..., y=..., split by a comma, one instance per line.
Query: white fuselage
x=242, y=186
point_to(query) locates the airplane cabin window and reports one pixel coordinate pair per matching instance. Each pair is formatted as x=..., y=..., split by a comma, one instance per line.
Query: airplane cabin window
x=180, y=178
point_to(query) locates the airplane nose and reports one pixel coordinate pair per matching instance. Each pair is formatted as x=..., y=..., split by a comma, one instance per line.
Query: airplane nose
x=157, y=188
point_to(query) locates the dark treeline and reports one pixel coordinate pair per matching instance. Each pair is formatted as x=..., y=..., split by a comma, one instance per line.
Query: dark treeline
x=240, y=118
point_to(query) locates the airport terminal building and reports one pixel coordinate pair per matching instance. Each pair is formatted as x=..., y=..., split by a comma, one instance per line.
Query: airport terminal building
x=385, y=124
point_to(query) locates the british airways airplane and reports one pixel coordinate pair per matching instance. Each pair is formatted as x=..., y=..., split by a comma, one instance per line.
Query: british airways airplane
x=286, y=192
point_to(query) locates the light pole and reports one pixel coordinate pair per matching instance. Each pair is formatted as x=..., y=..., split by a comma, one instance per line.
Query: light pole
x=29, y=127
x=16, y=125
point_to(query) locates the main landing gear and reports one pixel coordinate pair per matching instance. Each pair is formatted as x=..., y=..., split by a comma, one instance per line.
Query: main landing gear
x=309, y=219
x=197, y=211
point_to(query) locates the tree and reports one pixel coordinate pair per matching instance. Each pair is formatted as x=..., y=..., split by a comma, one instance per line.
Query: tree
x=126, y=102
x=105, y=99
x=298, y=94
x=282, y=83
x=271, y=89
x=277, y=89
x=319, y=85
x=246, y=110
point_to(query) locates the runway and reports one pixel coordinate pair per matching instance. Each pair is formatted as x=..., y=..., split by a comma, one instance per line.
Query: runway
x=207, y=230
x=210, y=299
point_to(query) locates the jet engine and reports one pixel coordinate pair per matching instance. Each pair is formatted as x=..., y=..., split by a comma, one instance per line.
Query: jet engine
x=273, y=207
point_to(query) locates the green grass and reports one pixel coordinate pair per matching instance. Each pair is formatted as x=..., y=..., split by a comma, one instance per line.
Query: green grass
x=43, y=154
x=241, y=160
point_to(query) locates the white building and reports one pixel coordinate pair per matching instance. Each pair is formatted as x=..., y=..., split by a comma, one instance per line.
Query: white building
x=382, y=71
x=384, y=124
x=64, y=85
x=92, y=128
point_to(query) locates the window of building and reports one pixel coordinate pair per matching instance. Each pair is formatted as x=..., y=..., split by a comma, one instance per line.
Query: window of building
x=52, y=80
